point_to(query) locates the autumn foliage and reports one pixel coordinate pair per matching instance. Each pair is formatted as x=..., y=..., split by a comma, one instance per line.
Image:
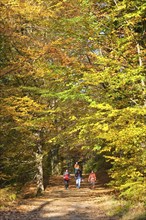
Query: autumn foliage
x=73, y=88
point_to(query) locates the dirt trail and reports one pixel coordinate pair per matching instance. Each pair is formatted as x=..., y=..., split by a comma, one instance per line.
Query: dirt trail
x=60, y=204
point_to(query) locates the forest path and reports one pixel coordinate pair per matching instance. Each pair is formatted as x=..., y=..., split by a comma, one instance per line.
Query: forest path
x=60, y=204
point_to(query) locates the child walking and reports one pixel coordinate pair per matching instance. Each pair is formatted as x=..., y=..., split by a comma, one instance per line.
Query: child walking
x=66, y=177
x=92, y=179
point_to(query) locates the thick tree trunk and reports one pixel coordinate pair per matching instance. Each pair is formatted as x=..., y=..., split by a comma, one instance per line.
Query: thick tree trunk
x=39, y=163
x=39, y=176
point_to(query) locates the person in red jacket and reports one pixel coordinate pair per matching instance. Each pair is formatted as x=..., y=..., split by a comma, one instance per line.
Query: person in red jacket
x=66, y=177
x=92, y=179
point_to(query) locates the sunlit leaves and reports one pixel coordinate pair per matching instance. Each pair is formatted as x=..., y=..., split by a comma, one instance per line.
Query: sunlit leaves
x=76, y=69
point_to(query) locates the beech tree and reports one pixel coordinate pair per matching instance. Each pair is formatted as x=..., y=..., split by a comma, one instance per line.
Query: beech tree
x=72, y=79
x=115, y=85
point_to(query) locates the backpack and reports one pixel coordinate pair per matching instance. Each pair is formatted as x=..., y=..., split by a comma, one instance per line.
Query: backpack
x=66, y=176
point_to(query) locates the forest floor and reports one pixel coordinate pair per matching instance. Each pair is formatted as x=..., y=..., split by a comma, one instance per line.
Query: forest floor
x=57, y=203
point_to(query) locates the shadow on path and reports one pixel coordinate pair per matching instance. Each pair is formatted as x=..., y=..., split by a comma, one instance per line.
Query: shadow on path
x=60, y=204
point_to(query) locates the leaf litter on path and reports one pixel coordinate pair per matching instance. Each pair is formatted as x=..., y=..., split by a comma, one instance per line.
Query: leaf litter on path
x=58, y=203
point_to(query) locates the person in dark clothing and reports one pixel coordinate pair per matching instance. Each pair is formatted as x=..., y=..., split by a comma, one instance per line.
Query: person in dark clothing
x=66, y=177
x=78, y=178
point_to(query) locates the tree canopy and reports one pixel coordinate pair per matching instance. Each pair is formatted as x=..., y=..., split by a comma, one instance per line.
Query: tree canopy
x=73, y=88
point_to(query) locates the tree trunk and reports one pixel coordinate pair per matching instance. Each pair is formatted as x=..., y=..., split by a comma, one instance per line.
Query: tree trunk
x=39, y=164
x=140, y=64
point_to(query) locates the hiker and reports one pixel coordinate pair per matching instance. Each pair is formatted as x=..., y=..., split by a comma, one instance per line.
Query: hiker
x=78, y=178
x=66, y=177
x=92, y=179
x=76, y=167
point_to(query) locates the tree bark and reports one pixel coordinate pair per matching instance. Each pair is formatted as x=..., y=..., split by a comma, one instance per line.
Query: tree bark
x=39, y=163
x=140, y=64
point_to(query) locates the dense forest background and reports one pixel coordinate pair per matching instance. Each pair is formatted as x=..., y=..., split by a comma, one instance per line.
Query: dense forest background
x=72, y=83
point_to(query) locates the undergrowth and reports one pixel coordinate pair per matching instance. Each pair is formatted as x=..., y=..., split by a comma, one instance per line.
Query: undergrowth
x=8, y=197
